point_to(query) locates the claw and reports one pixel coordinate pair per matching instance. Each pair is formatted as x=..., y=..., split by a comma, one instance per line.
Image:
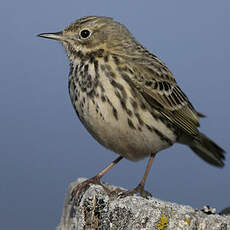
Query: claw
x=83, y=186
x=139, y=189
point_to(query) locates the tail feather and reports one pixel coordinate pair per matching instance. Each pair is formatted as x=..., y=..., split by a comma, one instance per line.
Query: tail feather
x=208, y=150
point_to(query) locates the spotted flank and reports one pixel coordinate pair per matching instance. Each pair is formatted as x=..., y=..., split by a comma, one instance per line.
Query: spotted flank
x=110, y=107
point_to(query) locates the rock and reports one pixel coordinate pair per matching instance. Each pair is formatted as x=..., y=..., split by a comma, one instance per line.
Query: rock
x=225, y=211
x=94, y=209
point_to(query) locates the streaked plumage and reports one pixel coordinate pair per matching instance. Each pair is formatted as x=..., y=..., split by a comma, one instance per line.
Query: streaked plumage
x=125, y=96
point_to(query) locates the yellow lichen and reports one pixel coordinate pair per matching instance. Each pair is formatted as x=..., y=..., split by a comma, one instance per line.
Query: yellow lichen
x=188, y=220
x=163, y=222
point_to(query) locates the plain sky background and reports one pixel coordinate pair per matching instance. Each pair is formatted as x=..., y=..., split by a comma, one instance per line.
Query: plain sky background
x=44, y=147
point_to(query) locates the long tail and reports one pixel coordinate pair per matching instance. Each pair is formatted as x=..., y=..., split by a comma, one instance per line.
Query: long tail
x=208, y=150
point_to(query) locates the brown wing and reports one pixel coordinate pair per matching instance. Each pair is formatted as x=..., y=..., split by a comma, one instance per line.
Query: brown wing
x=158, y=86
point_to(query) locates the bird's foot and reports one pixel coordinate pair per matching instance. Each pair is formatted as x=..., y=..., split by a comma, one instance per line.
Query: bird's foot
x=139, y=189
x=83, y=187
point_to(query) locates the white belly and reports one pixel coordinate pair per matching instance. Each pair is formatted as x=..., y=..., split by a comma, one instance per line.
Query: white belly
x=131, y=131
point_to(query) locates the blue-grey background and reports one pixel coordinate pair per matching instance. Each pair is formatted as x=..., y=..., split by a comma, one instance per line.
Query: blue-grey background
x=43, y=145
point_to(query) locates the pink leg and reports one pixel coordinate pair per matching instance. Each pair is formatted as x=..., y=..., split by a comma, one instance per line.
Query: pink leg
x=94, y=180
x=140, y=187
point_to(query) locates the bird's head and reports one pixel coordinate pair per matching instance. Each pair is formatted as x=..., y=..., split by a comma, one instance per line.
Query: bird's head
x=93, y=32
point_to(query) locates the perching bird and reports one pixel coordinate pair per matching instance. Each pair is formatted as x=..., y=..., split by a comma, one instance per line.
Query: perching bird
x=126, y=97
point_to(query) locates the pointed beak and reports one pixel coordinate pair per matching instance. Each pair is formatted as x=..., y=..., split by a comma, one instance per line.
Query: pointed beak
x=56, y=36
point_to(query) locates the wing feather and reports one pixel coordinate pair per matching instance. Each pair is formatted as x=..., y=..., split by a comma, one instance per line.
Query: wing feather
x=160, y=90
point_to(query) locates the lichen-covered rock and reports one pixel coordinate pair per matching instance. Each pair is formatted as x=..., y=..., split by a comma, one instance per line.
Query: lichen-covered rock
x=225, y=211
x=94, y=209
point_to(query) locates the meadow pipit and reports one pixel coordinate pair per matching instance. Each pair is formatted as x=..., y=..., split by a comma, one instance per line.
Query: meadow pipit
x=126, y=97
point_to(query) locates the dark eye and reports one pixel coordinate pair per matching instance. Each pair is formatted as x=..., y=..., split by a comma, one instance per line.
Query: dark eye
x=85, y=33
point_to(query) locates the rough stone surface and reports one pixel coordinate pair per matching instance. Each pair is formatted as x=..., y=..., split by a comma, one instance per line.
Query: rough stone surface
x=94, y=209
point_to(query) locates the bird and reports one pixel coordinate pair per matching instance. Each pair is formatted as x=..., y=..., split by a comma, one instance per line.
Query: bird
x=127, y=98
